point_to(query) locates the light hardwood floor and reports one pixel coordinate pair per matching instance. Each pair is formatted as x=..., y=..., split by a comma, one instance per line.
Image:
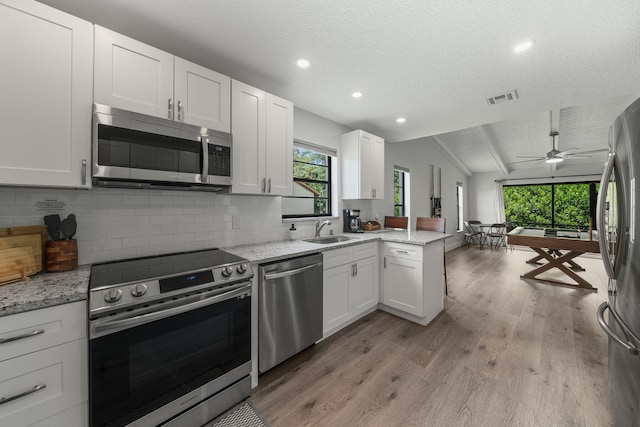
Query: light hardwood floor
x=505, y=352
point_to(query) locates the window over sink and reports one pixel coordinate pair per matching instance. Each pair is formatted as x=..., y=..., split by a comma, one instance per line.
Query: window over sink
x=313, y=182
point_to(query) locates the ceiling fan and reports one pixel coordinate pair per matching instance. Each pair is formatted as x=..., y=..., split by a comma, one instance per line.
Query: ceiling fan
x=555, y=155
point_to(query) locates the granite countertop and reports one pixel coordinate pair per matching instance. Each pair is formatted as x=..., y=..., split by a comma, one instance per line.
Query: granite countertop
x=44, y=290
x=49, y=289
x=274, y=251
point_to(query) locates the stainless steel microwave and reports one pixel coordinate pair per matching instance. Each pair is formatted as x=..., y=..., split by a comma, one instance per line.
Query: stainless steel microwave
x=132, y=150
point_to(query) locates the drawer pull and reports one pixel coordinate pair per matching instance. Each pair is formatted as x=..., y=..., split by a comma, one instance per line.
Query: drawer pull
x=23, y=394
x=23, y=336
x=402, y=252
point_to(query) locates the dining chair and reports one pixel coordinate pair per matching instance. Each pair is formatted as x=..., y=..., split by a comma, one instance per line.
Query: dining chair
x=472, y=236
x=398, y=222
x=480, y=233
x=438, y=225
x=497, y=235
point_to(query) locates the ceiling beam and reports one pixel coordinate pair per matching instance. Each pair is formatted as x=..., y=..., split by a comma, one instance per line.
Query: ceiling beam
x=492, y=149
x=456, y=161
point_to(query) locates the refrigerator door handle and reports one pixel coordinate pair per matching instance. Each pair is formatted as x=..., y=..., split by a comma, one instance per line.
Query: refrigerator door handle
x=629, y=336
x=602, y=201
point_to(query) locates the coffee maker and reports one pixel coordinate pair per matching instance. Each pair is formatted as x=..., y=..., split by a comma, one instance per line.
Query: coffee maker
x=351, y=221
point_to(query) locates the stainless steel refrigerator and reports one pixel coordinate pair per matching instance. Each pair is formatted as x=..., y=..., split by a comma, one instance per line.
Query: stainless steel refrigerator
x=618, y=234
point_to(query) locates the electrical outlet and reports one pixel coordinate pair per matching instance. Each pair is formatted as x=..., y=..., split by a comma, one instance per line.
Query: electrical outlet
x=235, y=222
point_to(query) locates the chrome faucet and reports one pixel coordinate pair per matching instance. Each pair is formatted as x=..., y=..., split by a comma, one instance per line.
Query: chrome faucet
x=319, y=226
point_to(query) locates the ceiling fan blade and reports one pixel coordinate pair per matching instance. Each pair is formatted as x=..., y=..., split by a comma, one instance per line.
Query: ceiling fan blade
x=537, y=159
x=562, y=153
x=576, y=157
x=531, y=157
x=601, y=150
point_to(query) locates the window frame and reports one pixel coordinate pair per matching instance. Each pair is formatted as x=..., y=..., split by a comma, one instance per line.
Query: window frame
x=330, y=155
x=396, y=189
x=460, y=206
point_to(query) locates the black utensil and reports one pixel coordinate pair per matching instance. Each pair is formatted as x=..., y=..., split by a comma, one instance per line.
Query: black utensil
x=73, y=225
x=53, y=226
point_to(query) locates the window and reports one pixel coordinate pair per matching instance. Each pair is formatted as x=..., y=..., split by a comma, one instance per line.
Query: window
x=459, y=206
x=312, y=182
x=566, y=205
x=400, y=181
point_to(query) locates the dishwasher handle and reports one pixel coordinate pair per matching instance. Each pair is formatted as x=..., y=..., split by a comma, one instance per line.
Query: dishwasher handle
x=287, y=273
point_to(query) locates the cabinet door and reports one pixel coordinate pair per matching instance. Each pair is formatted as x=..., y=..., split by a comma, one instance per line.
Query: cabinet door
x=403, y=285
x=203, y=97
x=132, y=75
x=376, y=165
x=46, y=86
x=335, y=297
x=366, y=172
x=248, y=129
x=363, y=288
x=279, y=146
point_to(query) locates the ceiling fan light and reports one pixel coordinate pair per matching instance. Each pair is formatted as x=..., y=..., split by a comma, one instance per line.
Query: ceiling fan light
x=554, y=160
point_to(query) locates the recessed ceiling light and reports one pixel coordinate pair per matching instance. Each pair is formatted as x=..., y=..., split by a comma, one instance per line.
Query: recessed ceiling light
x=303, y=63
x=521, y=47
x=357, y=94
x=401, y=120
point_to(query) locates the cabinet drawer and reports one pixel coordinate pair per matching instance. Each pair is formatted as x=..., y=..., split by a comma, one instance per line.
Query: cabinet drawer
x=402, y=250
x=365, y=250
x=336, y=257
x=62, y=370
x=35, y=330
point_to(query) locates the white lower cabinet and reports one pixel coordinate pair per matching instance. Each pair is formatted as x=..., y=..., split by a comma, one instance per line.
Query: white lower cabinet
x=413, y=285
x=46, y=384
x=351, y=290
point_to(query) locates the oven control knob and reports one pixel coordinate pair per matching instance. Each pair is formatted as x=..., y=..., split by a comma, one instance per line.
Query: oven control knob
x=242, y=268
x=139, y=290
x=227, y=271
x=113, y=295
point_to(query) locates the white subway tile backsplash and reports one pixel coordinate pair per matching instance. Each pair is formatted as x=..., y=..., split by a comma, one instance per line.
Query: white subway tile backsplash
x=123, y=223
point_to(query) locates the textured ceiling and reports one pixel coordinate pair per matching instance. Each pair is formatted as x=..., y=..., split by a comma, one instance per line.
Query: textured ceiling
x=433, y=62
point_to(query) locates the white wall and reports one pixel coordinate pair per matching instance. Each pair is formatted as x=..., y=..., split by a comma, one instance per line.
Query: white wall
x=482, y=186
x=418, y=156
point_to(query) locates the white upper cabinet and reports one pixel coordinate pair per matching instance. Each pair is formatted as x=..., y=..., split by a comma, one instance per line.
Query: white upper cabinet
x=262, y=128
x=137, y=77
x=362, y=166
x=203, y=97
x=46, y=86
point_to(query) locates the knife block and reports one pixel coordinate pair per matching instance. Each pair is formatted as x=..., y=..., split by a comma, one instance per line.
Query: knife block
x=61, y=255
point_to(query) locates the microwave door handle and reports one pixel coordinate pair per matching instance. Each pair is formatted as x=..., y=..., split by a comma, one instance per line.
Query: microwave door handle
x=157, y=315
x=205, y=159
x=602, y=232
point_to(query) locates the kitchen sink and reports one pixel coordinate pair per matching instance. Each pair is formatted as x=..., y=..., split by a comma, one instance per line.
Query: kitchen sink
x=328, y=239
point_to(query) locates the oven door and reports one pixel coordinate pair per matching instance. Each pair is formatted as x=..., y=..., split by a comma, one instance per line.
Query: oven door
x=148, y=366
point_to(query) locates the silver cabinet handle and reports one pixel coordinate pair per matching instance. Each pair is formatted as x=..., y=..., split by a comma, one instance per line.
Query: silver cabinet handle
x=353, y=270
x=8, y=399
x=179, y=111
x=264, y=185
x=629, y=336
x=402, y=252
x=269, y=186
x=83, y=172
x=23, y=336
x=384, y=261
x=170, y=109
x=287, y=273
x=355, y=266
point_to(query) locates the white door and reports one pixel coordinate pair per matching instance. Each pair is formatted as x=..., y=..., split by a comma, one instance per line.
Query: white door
x=363, y=289
x=132, y=75
x=377, y=166
x=335, y=297
x=248, y=129
x=279, y=146
x=203, y=97
x=46, y=87
x=403, y=285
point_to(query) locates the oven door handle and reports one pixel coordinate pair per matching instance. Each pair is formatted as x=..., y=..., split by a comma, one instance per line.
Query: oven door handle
x=157, y=315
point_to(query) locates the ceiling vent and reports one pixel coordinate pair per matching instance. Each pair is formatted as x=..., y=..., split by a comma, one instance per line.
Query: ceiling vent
x=503, y=97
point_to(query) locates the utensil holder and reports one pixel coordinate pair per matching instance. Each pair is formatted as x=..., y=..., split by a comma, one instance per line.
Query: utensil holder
x=61, y=255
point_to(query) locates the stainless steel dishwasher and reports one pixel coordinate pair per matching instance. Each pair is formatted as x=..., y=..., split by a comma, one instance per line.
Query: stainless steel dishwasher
x=290, y=308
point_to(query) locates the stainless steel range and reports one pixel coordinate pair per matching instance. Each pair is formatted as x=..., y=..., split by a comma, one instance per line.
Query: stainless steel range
x=170, y=338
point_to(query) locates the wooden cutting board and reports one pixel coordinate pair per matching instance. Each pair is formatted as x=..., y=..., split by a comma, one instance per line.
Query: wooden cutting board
x=32, y=241
x=30, y=229
x=16, y=264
